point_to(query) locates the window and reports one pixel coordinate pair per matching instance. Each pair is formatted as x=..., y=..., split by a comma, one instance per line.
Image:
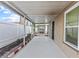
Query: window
x=72, y=35
x=71, y=23
x=29, y=28
x=10, y=29
x=7, y=15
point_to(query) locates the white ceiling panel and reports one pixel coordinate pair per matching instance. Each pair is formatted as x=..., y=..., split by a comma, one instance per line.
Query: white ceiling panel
x=41, y=7
x=37, y=9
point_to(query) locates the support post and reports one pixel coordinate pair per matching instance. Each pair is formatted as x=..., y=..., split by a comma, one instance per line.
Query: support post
x=24, y=32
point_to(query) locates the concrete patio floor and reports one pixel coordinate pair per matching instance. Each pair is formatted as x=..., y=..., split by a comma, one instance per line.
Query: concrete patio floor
x=41, y=47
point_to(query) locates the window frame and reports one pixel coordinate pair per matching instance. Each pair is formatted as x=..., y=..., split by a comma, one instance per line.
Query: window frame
x=65, y=26
x=13, y=12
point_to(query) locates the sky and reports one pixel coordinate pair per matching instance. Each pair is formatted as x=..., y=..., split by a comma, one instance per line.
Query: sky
x=7, y=15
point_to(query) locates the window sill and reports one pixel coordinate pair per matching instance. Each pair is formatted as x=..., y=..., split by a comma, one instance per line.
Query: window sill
x=71, y=46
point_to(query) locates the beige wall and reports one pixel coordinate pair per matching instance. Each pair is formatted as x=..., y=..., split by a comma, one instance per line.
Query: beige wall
x=59, y=37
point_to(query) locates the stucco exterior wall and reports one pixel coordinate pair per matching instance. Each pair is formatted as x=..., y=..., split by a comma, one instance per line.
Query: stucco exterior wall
x=59, y=37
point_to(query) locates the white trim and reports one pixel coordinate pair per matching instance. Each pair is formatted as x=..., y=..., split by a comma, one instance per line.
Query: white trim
x=73, y=7
x=78, y=32
x=71, y=26
x=64, y=25
x=70, y=9
x=78, y=38
x=73, y=46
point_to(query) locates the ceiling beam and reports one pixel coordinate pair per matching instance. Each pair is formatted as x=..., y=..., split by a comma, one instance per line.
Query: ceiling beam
x=17, y=10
